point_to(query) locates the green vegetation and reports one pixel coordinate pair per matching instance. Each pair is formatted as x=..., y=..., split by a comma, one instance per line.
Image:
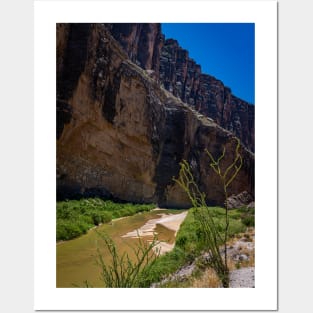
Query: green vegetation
x=76, y=217
x=215, y=234
x=247, y=216
x=147, y=267
x=191, y=242
x=204, y=229
x=122, y=272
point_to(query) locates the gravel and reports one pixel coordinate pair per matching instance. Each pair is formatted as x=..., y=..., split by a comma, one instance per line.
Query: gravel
x=242, y=278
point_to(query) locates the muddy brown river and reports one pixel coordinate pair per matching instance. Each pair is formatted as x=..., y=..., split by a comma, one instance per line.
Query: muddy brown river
x=76, y=259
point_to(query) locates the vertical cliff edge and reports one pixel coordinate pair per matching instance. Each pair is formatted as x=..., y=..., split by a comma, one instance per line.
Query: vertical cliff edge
x=124, y=122
x=182, y=76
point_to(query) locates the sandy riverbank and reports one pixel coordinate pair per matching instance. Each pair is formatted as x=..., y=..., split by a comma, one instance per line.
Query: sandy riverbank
x=170, y=221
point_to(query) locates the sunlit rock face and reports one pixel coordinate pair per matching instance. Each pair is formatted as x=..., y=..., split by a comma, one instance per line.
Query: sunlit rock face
x=182, y=76
x=120, y=133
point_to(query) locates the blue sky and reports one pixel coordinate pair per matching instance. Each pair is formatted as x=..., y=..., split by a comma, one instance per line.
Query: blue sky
x=224, y=50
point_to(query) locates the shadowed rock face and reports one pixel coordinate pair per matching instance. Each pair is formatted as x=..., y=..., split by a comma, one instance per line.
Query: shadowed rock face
x=121, y=135
x=142, y=42
x=71, y=58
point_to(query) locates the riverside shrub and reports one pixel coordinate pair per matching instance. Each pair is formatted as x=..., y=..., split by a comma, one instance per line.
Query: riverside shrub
x=75, y=217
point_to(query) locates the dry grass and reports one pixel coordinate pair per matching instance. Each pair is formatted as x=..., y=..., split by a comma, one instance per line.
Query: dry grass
x=233, y=265
x=209, y=279
x=205, y=277
x=243, y=240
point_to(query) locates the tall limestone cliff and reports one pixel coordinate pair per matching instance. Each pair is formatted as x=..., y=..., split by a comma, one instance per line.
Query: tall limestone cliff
x=182, y=76
x=208, y=95
x=142, y=42
x=120, y=134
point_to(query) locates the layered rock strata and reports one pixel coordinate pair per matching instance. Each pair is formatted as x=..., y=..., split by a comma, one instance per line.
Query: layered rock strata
x=142, y=42
x=121, y=135
x=182, y=76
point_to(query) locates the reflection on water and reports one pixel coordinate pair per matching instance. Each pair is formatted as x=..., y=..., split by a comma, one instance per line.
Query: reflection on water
x=76, y=259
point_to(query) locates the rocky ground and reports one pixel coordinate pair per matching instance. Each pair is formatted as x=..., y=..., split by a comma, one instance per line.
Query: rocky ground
x=241, y=265
x=242, y=278
x=240, y=257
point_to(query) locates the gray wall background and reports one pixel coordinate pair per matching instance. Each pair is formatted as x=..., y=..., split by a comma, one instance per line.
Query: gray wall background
x=295, y=156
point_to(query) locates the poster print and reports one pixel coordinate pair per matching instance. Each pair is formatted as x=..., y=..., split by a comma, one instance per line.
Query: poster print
x=155, y=168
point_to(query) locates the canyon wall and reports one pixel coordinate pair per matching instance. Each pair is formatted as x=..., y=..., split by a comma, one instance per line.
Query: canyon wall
x=122, y=135
x=182, y=76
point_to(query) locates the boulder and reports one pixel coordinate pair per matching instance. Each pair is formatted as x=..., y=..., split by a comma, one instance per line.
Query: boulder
x=242, y=199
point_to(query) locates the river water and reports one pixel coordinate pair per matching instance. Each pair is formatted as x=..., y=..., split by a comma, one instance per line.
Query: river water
x=76, y=259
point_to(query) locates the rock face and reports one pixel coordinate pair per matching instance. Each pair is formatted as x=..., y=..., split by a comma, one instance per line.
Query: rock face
x=208, y=95
x=142, y=42
x=240, y=200
x=120, y=134
x=183, y=77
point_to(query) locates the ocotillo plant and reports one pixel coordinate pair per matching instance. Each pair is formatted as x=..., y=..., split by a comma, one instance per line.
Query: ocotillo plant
x=123, y=271
x=213, y=235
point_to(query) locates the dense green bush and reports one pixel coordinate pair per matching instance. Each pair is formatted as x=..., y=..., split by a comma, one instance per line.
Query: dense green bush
x=75, y=217
x=163, y=266
x=67, y=229
x=247, y=216
x=248, y=221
